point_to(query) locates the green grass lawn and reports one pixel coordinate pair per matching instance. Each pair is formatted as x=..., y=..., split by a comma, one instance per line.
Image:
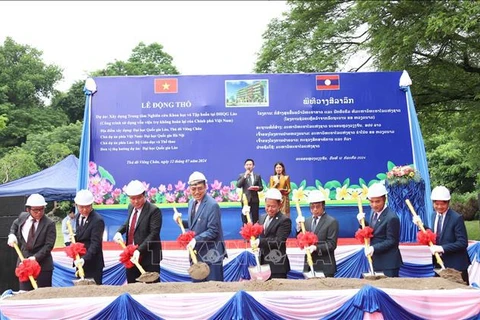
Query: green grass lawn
x=473, y=230
x=59, y=242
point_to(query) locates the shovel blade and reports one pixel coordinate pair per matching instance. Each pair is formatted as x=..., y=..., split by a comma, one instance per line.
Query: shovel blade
x=373, y=276
x=84, y=282
x=261, y=273
x=313, y=274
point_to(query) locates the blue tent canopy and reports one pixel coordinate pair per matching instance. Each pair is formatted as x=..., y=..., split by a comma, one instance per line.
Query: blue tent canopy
x=59, y=182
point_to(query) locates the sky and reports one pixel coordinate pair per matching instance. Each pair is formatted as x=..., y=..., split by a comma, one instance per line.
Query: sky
x=203, y=37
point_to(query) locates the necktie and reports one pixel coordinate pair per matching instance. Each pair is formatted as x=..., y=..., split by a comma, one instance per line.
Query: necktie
x=251, y=179
x=131, y=231
x=266, y=224
x=82, y=221
x=439, y=226
x=31, y=236
x=374, y=219
x=314, y=223
x=194, y=210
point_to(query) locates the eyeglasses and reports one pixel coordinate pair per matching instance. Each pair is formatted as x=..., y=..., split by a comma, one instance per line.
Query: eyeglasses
x=37, y=209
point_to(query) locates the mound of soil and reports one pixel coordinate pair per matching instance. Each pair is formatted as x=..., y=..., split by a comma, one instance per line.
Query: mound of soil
x=436, y=283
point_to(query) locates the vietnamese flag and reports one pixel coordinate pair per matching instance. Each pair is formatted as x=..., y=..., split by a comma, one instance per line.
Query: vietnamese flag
x=328, y=82
x=166, y=85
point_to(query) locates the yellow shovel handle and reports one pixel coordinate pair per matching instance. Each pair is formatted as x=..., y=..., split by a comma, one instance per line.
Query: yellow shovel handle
x=81, y=272
x=20, y=255
x=138, y=265
x=193, y=256
x=422, y=228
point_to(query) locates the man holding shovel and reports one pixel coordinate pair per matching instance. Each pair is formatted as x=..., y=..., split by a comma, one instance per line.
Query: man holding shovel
x=273, y=240
x=143, y=229
x=205, y=220
x=35, y=234
x=89, y=231
x=452, y=239
x=386, y=233
x=326, y=229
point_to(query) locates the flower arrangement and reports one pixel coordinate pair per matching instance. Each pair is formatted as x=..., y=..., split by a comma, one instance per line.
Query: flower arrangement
x=403, y=175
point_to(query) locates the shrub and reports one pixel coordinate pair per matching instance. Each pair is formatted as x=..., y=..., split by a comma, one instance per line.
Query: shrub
x=466, y=204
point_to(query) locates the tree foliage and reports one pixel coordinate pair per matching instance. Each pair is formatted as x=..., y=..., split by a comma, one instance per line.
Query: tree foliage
x=17, y=164
x=25, y=82
x=437, y=42
x=144, y=60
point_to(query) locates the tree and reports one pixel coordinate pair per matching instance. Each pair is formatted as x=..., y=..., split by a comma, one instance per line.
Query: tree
x=25, y=82
x=17, y=164
x=52, y=146
x=72, y=102
x=438, y=43
x=144, y=60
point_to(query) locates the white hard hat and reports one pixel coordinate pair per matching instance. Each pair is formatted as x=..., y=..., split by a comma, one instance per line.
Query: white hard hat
x=376, y=190
x=36, y=200
x=84, y=198
x=134, y=188
x=196, y=177
x=316, y=196
x=440, y=193
x=273, y=194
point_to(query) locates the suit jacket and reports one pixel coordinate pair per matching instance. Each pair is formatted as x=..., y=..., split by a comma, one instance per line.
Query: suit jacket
x=273, y=243
x=91, y=235
x=245, y=183
x=385, y=241
x=147, y=234
x=44, y=240
x=327, y=233
x=454, y=241
x=207, y=225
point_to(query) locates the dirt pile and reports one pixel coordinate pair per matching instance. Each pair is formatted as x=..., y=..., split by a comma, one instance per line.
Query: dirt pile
x=436, y=283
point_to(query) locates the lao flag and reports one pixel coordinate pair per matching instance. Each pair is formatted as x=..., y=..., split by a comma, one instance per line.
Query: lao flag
x=166, y=85
x=328, y=82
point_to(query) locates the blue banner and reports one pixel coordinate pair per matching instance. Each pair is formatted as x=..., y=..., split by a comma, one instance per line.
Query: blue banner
x=334, y=132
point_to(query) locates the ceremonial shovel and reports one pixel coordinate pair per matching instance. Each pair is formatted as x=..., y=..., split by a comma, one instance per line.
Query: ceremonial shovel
x=312, y=273
x=82, y=281
x=145, y=277
x=20, y=255
x=198, y=270
x=448, y=273
x=372, y=275
x=258, y=272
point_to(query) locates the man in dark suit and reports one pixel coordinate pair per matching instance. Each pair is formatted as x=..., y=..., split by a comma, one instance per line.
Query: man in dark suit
x=326, y=229
x=272, y=242
x=251, y=184
x=386, y=233
x=452, y=238
x=35, y=234
x=89, y=231
x=205, y=220
x=142, y=228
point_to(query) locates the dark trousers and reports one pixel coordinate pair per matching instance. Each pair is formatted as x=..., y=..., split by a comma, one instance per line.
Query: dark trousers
x=133, y=273
x=392, y=273
x=281, y=275
x=254, y=209
x=96, y=275
x=44, y=280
